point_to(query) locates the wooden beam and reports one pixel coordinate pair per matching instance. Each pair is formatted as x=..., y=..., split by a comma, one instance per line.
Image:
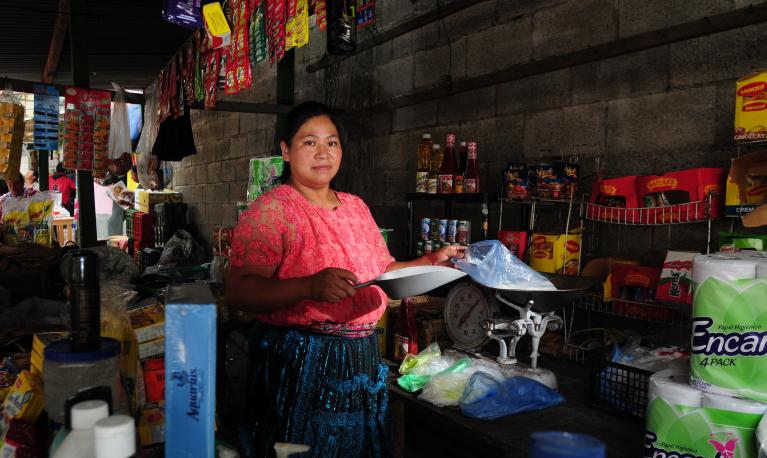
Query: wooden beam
x=245, y=107
x=28, y=87
x=742, y=17
x=435, y=14
x=57, y=42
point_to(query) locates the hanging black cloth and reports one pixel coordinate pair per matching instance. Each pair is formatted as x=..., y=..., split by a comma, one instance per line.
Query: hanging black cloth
x=175, y=140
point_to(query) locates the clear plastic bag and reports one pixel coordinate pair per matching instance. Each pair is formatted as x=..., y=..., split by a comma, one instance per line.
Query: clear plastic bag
x=446, y=388
x=487, y=398
x=418, y=370
x=119, y=132
x=491, y=264
x=146, y=141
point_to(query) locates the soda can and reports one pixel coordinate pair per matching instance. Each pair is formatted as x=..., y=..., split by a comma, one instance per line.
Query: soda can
x=428, y=246
x=452, y=230
x=419, y=248
x=442, y=230
x=463, y=232
x=425, y=228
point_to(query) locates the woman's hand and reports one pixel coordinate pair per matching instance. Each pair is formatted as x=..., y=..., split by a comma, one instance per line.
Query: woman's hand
x=331, y=285
x=442, y=256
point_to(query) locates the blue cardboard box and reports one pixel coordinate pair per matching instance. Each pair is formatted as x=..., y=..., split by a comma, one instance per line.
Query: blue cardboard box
x=190, y=371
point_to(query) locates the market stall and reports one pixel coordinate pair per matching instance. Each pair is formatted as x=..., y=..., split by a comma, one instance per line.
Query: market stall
x=467, y=250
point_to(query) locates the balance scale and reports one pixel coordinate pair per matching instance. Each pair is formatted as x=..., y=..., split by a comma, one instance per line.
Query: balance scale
x=476, y=314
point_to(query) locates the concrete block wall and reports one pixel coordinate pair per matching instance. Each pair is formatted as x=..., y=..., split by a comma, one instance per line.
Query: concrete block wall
x=664, y=108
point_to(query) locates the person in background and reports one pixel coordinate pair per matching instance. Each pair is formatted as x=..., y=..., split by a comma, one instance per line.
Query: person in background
x=16, y=189
x=61, y=183
x=31, y=180
x=315, y=374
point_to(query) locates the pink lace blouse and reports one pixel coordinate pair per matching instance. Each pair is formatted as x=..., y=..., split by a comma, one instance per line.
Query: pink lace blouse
x=283, y=229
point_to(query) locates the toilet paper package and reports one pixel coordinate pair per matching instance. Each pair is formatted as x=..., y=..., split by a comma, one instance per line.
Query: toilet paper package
x=729, y=326
x=684, y=421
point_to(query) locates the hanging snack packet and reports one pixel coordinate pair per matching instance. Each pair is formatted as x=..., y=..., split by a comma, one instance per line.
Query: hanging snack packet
x=16, y=221
x=257, y=34
x=342, y=27
x=40, y=208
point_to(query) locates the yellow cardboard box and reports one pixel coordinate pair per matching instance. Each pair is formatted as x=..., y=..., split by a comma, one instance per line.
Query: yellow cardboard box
x=556, y=253
x=24, y=401
x=218, y=30
x=751, y=107
x=148, y=322
x=146, y=200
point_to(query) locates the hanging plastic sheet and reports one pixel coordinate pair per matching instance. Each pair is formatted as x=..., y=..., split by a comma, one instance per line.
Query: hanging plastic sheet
x=119, y=134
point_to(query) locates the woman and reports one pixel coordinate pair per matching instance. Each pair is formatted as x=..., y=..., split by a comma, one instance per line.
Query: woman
x=31, y=180
x=315, y=374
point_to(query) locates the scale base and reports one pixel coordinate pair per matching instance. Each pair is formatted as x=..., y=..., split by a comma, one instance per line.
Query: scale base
x=538, y=374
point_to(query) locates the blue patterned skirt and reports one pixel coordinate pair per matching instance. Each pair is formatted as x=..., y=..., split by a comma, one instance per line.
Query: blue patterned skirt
x=325, y=391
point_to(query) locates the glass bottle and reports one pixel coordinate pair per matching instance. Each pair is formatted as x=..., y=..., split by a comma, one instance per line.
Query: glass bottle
x=424, y=153
x=462, y=159
x=434, y=164
x=447, y=169
x=471, y=176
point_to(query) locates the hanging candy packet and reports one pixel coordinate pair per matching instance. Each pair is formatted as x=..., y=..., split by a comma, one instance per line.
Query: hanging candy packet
x=238, y=76
x=257, y=33
x=199, y=84
x=275, y=29
x=342, y=28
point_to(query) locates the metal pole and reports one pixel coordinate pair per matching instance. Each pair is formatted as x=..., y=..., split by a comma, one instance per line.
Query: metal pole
x=42, y=169
x=86, y=224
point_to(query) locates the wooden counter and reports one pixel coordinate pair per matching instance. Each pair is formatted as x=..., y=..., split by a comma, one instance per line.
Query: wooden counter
x=421, y=429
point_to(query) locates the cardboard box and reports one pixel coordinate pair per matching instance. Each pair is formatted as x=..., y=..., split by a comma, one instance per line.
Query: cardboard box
x=216, y=26
x=556, y=253
x=151, y=426
x=514, y=241
x=746, y=184
x=619, y=195
x=39, y=342
x=751, y=107
x=24, y=401
x=190, y=371
x=148, y=322
x=146, y=199
x=152, y=348
x=679, y=188
x=675, y=283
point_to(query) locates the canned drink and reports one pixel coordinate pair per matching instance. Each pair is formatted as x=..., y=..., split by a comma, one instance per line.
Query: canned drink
x=442, y=230
x=419, y=251
x=463, y=232
x=434, y=229
x=425, y=228
x=452, y=230
x=428, y=246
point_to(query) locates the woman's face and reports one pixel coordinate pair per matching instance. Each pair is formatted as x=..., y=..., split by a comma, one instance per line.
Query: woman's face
x=314, y=152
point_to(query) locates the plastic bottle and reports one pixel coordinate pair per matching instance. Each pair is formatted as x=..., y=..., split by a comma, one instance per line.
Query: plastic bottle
x=80, y=442
x=424, y=153
x=115, y=437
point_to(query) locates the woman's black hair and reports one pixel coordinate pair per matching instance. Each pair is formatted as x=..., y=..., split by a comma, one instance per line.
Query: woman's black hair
x=297, y=117
x=34, y=173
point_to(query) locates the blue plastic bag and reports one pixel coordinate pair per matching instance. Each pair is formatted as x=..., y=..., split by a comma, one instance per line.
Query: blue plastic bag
x=491, y=264
x=487, y=398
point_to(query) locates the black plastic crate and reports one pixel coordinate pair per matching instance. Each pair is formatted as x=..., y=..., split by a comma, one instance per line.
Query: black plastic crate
x=619, y=388
x=129, y=222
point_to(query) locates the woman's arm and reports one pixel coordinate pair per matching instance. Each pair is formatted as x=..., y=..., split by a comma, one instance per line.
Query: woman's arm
x=440, y=257
x=254, y=288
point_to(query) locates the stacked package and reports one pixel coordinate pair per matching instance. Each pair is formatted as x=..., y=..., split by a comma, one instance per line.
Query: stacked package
x=713, y=407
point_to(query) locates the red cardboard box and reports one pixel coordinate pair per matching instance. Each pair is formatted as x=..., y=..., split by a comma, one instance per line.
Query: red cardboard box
x=619, y=194
x=515, y=241
x=676, y=277
x=680, y=188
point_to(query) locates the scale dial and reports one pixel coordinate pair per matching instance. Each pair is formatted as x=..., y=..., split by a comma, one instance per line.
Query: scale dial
x=465, y=309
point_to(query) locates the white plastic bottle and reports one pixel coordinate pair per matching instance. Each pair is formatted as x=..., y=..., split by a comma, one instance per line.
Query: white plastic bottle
x=115, y=437
x=80, y=443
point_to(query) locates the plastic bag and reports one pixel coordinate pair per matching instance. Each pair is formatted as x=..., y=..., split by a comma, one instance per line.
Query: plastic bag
x=147, y=179
x=115, y=265
x=116, y=324
x=28, y=220
x=181, y=249
x=415, y=362
x=491, y=264
x=446, y=388
x=418, y=370
x=119, y=133
x=488, y=398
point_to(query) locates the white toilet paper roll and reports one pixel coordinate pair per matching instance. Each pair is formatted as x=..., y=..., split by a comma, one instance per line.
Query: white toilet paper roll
x=673, y=386
x=718, y=401
x=724, y=266
x=761, y=262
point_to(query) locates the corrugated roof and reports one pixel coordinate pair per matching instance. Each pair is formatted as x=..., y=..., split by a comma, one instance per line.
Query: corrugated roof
x=128, y=41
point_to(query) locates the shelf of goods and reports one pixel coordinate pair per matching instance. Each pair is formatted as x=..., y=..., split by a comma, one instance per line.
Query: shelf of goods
x=447, y=199
x=691, y=212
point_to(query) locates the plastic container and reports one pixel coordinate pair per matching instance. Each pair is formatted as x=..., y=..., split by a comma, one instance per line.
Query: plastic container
x=66, y=372
x=560, y=444
x=80, y=443
x=115, y=437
